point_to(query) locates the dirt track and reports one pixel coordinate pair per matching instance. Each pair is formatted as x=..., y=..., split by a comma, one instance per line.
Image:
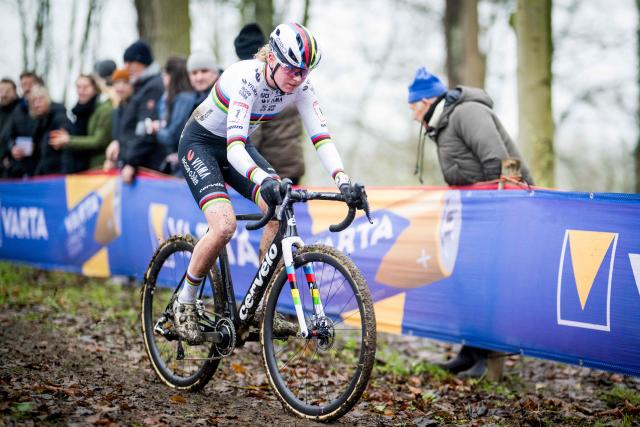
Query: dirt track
x=83, y=369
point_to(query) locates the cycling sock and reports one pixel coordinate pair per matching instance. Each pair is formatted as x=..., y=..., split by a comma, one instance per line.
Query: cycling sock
x=190, y=289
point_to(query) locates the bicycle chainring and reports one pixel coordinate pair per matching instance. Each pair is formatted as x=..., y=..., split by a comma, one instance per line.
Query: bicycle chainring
x=225, y=327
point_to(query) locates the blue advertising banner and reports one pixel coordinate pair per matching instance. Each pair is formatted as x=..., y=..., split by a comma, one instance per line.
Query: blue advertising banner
x=546, y=273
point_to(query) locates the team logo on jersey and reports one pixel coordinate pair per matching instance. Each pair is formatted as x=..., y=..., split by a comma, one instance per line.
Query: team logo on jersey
x=190, y=155
x=584, y=279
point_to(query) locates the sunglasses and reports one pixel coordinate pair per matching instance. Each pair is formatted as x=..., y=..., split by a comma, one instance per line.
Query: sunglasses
x=292, y=72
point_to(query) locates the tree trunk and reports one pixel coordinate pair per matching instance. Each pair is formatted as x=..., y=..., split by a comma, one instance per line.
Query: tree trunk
x=166, y=26
x=258, y=11
x=305, y=14
x=535, y=119
x=264, y=15
x=636, y=153
x=465, y=62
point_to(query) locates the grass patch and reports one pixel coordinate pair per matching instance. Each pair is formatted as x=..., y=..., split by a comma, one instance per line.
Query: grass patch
x=69, y=293
x=392, y=362
x=618, y=395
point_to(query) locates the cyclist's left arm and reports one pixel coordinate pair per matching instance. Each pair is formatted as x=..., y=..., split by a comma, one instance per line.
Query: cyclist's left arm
x=316, y=126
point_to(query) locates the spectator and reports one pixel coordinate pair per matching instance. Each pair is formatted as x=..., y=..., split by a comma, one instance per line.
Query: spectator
x=48, y=116
x=123, y=90
x=8, y=100
x=18, y=133
x=278, y=140
x=138, y=144
x=471, y=144
x=8, y=103
x=28, y=79
x=90, y=132
x=175, y=107
x=103, y=71
x=203, y=73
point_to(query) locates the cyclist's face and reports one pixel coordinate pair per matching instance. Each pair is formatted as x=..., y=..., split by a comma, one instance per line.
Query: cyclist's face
x=288, y=78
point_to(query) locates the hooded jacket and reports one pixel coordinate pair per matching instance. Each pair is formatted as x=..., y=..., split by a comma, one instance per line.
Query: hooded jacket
x=471, y=141
x=137, y=147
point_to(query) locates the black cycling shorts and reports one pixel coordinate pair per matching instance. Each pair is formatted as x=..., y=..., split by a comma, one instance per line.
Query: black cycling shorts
x=203, y=158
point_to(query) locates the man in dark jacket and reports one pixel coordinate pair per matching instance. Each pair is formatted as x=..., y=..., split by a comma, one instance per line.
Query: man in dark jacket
x=471, y=144
x=278, y=140
x=19, y=129
x=138, y=144
x=8, y=102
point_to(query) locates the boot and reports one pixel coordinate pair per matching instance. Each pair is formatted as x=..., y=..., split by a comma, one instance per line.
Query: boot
x=465, y=359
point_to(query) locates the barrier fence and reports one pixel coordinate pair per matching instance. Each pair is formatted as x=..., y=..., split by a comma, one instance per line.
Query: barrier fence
x=545, y=273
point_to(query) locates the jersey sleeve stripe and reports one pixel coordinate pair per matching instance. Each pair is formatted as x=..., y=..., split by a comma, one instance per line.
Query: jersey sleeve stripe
x=235, y=140
x=220, y=99
x=320, y=139
x=249, y=174
x=255, y=194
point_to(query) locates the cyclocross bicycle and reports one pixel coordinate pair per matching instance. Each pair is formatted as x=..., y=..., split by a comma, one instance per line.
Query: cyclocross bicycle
x=318, y=344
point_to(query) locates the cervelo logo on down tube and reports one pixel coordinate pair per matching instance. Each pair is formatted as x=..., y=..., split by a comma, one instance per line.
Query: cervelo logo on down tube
x=259, y=281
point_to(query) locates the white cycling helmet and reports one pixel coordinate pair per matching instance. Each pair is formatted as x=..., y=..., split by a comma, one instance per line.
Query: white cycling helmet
x=294, y=46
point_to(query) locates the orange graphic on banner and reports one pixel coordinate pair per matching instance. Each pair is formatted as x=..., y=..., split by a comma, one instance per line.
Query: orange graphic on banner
x=427, y=249
x=588, y=249
x=157, y=216
x=389, y=314
x=79, y=186
x=325, y=213
x=97, y=265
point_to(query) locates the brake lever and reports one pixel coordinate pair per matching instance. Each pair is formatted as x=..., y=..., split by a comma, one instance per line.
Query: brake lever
x=363, y=202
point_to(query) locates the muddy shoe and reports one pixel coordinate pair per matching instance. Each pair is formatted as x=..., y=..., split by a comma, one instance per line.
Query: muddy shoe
x=283, y=327
x=185, y=318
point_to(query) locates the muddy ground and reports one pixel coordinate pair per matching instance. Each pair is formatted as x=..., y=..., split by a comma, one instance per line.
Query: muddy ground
x=69, y=357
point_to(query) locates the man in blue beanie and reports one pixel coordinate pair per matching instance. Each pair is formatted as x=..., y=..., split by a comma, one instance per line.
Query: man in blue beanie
x=138, y=144
x=471, y=144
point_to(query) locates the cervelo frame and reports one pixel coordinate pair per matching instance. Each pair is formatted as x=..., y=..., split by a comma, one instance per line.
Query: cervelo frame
x=282, y=246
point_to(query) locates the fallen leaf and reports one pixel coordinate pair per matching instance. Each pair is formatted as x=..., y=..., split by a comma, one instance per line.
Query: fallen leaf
x=178, y=399
x=238, y=368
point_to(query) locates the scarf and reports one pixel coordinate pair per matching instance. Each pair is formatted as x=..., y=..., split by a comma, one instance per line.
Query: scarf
x=430, y=118
x=83, y=113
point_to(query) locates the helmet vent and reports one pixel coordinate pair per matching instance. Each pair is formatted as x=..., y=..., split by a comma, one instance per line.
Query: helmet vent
x=292, y=56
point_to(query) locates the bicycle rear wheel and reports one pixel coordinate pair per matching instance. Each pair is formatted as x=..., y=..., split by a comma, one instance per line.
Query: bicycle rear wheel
x=321, y=377
x=177, y=364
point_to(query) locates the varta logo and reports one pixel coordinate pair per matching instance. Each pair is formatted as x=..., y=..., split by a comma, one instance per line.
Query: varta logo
x=584, y=279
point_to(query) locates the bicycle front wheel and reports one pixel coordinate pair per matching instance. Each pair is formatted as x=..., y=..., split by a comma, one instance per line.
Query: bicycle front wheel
x=177, y=364
x=322, y=376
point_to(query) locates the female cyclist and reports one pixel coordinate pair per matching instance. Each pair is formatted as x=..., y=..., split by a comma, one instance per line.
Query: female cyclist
x=215, y=148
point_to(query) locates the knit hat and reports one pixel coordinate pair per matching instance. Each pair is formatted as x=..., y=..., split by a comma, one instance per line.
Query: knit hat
x=425, y=85
x=139, y=51
x=201, y=61
x=249, y=41
x=104, y=68
x=120, y=74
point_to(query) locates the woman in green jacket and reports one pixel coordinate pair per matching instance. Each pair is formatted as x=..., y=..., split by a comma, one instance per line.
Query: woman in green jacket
x=91, y=131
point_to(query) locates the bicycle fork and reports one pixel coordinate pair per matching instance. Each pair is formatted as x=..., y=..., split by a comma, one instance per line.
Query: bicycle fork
x=287, y=246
